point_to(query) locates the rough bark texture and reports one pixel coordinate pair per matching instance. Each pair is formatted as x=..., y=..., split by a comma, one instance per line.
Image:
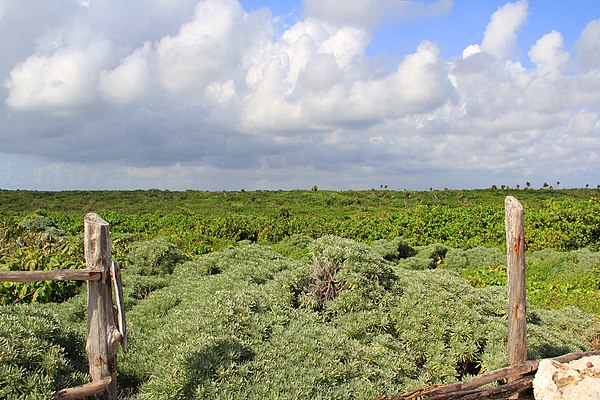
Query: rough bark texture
x=515, y=253
x=103, y=335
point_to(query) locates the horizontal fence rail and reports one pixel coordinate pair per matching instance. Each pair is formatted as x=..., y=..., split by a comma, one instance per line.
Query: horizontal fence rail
x=54, y=275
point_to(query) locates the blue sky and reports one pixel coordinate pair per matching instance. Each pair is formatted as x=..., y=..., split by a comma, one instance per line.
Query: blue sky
x=466, y=21
x=225, y=95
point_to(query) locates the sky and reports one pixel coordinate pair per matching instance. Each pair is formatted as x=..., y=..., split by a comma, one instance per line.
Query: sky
x=270, y=94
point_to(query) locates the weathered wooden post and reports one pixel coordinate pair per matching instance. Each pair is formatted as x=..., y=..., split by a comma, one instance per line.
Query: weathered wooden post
x=517, y=303
x=103, y=335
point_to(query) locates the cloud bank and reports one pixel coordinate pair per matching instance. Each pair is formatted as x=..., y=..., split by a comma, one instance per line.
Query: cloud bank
x=207, y=95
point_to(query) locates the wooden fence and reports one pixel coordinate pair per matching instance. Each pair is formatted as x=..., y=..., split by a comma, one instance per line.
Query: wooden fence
x=106, y=328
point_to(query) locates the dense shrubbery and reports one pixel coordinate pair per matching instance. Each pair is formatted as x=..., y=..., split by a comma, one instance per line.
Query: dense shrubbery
x=37, y=356
x=200, y=222
x=320, y=317
x=244, y=323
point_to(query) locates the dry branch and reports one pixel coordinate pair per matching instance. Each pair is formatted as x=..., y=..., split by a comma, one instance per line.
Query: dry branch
x=87, y=390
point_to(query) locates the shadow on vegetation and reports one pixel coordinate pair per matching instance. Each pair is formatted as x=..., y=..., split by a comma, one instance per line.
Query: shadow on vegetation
x=203, y=364
x=547, y=350
x=128, y=383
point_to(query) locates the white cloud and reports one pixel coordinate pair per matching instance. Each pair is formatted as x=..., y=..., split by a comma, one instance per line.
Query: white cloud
x=207, y=47
x=588, y=46
x=217, y=97
x=471, y=50
x=57, y=82
x=420, y=84
x=131, y=80
x=501, y=33
x=345, y=44
x=548, y=55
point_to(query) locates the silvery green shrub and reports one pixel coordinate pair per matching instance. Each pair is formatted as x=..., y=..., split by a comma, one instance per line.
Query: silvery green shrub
x=38, y=356
x=154, y=257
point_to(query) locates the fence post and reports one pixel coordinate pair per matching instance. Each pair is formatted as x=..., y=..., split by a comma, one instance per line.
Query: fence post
x=517, y=303
x=103, y=335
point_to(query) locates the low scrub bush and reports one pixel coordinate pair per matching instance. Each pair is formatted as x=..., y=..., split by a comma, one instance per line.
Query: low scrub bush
x=234, y=324
x=44, y=225
x=154, y=257
x=249, y=322
x=38, y=356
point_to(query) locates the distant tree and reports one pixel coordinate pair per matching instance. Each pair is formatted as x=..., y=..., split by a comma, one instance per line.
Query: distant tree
x=518, y=186
x=545, y=185
x=557, y=184
x=527, y=185
x=494, y=188
x=315, y=188
x=587, y=185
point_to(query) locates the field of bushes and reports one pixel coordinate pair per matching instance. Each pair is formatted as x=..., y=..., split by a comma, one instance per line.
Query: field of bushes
x=300, y=294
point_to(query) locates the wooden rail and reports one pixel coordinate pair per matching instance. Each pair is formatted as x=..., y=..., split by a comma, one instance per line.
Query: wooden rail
x=54, y=275
x=105, y=329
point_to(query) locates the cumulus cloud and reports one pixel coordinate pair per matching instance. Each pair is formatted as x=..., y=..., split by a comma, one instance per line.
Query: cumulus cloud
x=217, y=97
x=419, y=85
x=131, y=80
x=548, y=54
x=57, y=82
x=588, y=46
x=501, y=33
x=203, y=47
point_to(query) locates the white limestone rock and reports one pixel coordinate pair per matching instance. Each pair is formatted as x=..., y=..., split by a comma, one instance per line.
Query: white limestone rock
x=579, y=379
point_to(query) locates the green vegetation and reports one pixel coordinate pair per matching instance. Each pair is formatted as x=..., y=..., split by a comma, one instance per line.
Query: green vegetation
x=307, y=294
x=38, y=356
x=201, y=222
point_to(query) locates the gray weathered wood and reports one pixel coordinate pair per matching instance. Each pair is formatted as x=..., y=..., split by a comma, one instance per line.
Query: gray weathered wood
x=54, y=275
x=103, y=335
x=115, y=273
x=517, y=302
x=87, y=390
